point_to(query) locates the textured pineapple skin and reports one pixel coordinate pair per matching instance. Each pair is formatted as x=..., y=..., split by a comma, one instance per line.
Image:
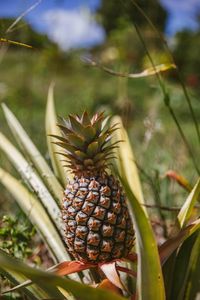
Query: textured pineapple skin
x=98, y=226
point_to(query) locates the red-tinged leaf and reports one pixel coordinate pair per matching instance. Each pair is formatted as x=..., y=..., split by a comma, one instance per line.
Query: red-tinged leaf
x=182, y=181
x=108, y=285
x=69, y=267
x=126, y=270
x=132, y=257
x=110, y=271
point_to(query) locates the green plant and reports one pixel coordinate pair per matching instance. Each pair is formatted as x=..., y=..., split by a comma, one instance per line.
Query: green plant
x=148, y=273
x=16, y=235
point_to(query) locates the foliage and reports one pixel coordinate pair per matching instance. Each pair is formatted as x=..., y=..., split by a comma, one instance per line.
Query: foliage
x=16, y=234
x=114, y=13
x=161, y=267
x=150, y=281
x=186, y=45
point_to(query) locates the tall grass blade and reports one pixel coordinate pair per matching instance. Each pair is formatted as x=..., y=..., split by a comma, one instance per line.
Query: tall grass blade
x=150, y=283
x=78, y=290
x=51, y=128
x=32, y=178
x=126, y=160
x=33, y=154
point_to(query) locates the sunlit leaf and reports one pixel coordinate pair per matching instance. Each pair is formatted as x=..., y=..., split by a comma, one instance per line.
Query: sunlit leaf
x=33, y=154
x=108, y=285
x=186, y=210
x=150, y=283
x=148, y=72
x=52, y=129
x=126, y=160
x=110, y=271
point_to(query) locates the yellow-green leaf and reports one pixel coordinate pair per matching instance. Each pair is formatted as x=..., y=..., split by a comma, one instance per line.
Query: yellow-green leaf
x=150, y=283
x=126, y=160
x=3, y=40
x=33, y=154
x=186, y=210
x=52, y=129
x=36, y=214
x=148, y=72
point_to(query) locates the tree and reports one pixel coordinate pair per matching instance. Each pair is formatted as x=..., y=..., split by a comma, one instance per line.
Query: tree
x=113, y=12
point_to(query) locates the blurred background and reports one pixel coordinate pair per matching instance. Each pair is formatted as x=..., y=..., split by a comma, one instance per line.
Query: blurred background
x=63, y=32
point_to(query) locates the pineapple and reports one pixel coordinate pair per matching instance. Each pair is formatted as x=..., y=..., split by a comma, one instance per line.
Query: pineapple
x=98, y=226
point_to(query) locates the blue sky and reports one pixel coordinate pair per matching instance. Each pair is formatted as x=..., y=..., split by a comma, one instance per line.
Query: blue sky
x=71, y=25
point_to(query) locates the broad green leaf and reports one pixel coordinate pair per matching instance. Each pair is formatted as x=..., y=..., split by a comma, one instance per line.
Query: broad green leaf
x=49, y=281
x=186, y=210
x=193, y=283
x=168, y=254
x=183, y=263
x=31, y=177
x=33, y=292
x=150, y=283
x=126, y=160
x=37, y=215
x=148, y=72
x=52, y=129
x=33, y=154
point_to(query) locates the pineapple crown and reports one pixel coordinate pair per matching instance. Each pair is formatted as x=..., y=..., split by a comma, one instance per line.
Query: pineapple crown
x=86, y=143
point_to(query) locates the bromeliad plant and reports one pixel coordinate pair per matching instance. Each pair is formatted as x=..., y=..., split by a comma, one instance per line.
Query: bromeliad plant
x=98, y=217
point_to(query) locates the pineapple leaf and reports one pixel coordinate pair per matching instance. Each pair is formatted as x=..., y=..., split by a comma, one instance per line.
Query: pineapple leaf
x=33, y=292
x=33, y=154
x=85, y=119
x=126, y=161
x=110, y=271
x=31, y=177
x=150, y=283
x=76, y=140
x=37, y=215
x=92, y=148
x=49, y=282
x=51, y=128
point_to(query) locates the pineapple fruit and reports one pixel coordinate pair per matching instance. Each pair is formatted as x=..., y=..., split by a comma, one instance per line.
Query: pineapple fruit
x=97, y=222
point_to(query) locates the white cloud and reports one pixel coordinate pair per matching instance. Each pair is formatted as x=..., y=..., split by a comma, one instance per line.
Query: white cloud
x=73, y=28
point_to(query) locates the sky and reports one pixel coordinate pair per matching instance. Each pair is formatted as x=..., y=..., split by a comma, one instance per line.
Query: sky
x=70, y=23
